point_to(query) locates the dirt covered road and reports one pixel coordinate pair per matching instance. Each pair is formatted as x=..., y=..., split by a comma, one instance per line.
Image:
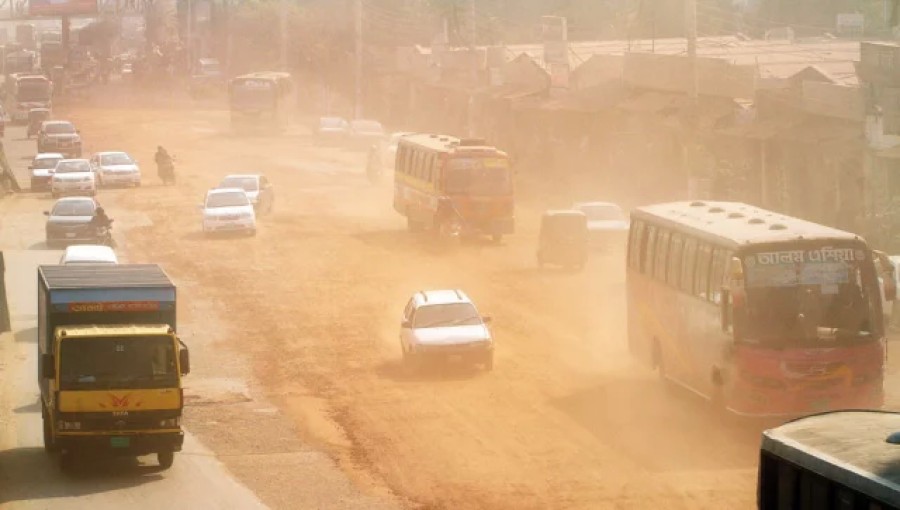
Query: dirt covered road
x=312, y=306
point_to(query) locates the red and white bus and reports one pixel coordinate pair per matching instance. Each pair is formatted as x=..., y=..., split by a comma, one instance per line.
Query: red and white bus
x=761, y=313
x=441, y=179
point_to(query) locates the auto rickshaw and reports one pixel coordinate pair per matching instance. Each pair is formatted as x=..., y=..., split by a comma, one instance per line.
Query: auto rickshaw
x=563, y=239
x=35, y=117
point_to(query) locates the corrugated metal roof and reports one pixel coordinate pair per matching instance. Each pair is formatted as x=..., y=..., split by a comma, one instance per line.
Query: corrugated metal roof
x=94, y=277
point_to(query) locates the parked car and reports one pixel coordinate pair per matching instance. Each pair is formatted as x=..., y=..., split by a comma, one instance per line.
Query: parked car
x=88, y=254
x=332, y=130
x=383, y=153
x=228, y=210
x=363, y=133
x=42, y=170
x=445, y=325
x=606, y=222
x=69, y=221
x=73, y=177
x=59, y=136
x=258, y=188
x=116, y=168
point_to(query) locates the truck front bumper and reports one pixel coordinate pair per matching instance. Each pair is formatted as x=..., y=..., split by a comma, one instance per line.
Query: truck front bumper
x=130, y=444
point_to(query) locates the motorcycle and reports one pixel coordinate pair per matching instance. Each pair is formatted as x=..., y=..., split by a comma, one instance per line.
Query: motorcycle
x=103, y=234
x=166, y=172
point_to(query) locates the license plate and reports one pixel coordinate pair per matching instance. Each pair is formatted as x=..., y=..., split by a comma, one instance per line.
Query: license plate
x=120, y=442
x=70, y=234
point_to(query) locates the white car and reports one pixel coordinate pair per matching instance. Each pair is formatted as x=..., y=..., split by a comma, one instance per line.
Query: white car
x=42, y=170
x=605, y=221
x=257, y=187
x=116, y=169
x=228, y=210
x=73, y=177
x=88, y=254
x=444, y=324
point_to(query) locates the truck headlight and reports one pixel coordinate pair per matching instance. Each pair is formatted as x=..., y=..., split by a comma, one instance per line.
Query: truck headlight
x=170, y=423
x=68, y=425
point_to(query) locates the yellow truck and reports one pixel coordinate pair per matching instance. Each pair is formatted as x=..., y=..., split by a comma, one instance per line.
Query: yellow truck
x=110, y=362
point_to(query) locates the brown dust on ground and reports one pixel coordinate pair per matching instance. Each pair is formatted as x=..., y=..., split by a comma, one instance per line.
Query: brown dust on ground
x=312, y=305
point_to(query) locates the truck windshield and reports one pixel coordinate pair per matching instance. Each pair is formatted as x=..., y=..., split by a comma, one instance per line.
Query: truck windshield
x=811, y=296
x=478, y=176
x=117, y=363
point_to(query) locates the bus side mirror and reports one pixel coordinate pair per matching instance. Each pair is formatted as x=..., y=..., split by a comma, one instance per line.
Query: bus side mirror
x=184, y=361
x=48, y=366
x=725, y=308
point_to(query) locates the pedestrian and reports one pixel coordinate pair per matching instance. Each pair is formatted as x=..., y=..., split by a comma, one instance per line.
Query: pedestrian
x=8, y=176
x=5, y=324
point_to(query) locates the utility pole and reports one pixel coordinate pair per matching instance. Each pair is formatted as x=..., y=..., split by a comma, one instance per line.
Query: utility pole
x=357, y=110
x=690, y=149
x=473, y=55
x=283, y=7
x=190, y=36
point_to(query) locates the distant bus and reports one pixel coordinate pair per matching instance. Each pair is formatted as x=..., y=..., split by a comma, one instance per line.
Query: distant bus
x=438, y=179
x=832, y=461
x=25, y=91
x=761, y=313
x=261, y=100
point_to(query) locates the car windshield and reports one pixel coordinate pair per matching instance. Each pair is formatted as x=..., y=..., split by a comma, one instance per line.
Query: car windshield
x=478, y=176
x=73, y=208
x=332, y=122
x=117, y=363
x=454, y=314
x=64, y=167
x=367, y=126
x=118, y=158
x=226, y=200
x=59, y=128
x=809, y=295
x=244, y=183
x=602, y=212
x=45, y=163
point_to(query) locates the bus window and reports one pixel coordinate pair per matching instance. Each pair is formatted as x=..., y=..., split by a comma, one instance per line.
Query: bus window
x=635, y=244
x=436, y=169
x=649, y=252
x=429, y=168
x=701, y=274
x=673, y=275
x=717, y=273
x=401, y=160
x=688, y=259
x=662, y=245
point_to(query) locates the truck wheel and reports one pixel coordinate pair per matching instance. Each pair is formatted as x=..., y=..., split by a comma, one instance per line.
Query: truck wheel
x=50, y=445
x=165, y=458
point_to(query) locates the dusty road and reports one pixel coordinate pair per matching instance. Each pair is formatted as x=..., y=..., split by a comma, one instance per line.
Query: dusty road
x=294, y=338
x=312, y=304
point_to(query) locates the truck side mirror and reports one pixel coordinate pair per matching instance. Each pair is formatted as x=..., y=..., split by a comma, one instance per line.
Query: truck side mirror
x=48, y=366
x=184, y=361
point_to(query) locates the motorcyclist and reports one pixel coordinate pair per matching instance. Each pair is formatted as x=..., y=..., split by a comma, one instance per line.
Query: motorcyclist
x=100, y=219
x=165, y=167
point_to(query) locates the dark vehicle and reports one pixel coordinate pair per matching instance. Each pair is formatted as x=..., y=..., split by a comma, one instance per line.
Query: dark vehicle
x=332, y=130
x=110, y=362
x=59, y=136
x=71, y=221
x=563, y=239
x=206, y=78
x=365, y=133
x=36, y=117
x=836, y=460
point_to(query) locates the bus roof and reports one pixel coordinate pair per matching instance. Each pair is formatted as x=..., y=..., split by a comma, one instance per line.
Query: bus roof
x=848, y=447
x=738, y=224
x=264, y=75
x=446, y=143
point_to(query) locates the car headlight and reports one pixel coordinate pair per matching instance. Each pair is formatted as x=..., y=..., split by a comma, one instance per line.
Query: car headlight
x=169, y=423
x=68, y=425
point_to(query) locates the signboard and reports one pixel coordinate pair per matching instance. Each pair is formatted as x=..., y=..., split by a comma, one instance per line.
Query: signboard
x=61, y=7
x=121, y=306
x=827, y=267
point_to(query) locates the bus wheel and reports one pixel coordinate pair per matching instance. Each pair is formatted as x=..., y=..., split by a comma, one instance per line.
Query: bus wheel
x=165, y=458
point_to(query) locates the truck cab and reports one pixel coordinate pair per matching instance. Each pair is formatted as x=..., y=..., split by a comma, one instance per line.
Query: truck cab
x=111, y=363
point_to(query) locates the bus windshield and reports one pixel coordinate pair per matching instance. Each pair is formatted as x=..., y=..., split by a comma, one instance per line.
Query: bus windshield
x=478, y=176
x=810, y=295
x=34, y=90
x=253, y=94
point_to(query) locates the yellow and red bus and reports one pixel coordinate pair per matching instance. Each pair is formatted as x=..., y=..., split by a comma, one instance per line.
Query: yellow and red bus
x=761, y=313
x=440, y=179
